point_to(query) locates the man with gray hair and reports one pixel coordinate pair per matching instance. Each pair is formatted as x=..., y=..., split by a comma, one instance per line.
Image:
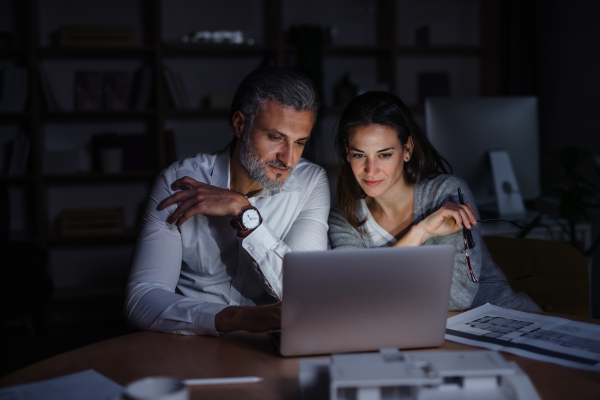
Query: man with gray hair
x=216, y=227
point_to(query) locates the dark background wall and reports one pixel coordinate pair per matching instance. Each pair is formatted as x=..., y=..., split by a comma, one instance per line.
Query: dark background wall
x=568, y=86
x=568, y=79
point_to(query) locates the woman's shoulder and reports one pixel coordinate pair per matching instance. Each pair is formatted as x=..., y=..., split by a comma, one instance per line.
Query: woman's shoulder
x=337, y=217
x=342, y=234
x=443, y=185
x=431, y=194
x=335, y=214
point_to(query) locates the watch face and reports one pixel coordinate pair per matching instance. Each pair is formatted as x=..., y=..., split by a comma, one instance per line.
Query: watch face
x=251, y=219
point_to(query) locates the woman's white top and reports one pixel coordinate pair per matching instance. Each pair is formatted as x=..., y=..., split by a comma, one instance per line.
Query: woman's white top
x=379, y=236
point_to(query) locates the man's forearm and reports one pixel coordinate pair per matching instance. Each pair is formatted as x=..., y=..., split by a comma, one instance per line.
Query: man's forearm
x=252, y=318
x=227, y=320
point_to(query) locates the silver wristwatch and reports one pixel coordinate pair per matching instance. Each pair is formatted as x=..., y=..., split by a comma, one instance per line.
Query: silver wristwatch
x=249, y=220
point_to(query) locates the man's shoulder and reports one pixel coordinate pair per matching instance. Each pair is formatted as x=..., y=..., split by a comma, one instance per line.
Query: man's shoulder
x=308, y=167
x=308, y=178
x=198, y=167
x=308, y=173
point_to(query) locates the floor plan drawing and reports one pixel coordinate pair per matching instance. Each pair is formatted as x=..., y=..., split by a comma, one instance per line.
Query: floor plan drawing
x=541, y=337
x=504, y=328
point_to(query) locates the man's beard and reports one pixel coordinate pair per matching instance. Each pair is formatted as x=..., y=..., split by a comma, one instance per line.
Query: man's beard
x=256, y=167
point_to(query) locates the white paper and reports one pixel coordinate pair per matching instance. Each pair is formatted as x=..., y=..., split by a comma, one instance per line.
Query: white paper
x=544, y=338
x=88, y=385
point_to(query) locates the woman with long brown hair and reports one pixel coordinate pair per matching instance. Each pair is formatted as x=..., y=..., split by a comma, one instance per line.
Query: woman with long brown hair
x=394, y=189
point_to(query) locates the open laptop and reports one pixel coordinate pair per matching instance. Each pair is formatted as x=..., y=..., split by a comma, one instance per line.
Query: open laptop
x=365, y=299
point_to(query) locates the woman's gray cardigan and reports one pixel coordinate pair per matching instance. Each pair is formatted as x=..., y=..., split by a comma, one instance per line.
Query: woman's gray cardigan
x=429, y=196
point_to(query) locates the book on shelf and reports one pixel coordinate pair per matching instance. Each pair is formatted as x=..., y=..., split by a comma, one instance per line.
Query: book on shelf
x=176, y=88
x=96, y=35
x=13, y=90
x=51, y=103
x=88, y=90
x=116, y=90
x=142, y=88
x=18, y=155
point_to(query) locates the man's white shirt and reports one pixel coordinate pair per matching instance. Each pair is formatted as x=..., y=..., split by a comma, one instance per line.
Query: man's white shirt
x=181, y=277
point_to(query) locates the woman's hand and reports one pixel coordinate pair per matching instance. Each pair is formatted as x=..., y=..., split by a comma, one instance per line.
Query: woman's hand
x=448, y=219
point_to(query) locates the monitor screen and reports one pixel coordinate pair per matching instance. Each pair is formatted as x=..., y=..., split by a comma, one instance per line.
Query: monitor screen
x=465, y=130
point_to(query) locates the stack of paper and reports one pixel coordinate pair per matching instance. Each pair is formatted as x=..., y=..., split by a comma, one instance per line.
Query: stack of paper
x=89, y=385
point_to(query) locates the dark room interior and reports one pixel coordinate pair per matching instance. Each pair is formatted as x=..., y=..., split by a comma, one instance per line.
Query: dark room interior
x=98, y=97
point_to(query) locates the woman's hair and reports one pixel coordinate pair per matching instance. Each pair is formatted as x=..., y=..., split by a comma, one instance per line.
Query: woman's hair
x=386, y=109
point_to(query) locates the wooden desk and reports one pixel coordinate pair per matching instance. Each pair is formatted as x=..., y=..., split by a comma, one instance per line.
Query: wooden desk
x=137, y=355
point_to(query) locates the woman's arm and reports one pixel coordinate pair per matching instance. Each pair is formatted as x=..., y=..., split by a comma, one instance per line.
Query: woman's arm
x=444, y=221
x=430, y=197
x=342, y=235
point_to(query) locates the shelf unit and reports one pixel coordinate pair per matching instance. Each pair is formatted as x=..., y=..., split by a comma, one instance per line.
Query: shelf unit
x=153, y=51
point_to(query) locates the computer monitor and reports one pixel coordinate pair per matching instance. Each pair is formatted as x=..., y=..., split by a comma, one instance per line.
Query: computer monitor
x=465, y=130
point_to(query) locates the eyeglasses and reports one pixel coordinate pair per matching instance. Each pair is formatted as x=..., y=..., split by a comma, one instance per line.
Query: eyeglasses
x=469, y=244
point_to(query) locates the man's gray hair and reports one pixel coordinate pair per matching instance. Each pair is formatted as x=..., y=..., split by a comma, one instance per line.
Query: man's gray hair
x=285, y=86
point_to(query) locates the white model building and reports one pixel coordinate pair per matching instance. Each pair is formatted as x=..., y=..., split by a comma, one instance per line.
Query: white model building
x=390, y=375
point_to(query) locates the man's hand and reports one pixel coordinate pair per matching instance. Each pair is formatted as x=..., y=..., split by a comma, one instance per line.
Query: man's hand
x=200, y=198
x=253, y=318
x=448, y=219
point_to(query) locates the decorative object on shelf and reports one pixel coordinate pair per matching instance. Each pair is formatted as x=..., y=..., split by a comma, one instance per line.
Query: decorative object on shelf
x=142, y=88
x=116, y=90
x=433, y=84
x=88, y=90
x=422, y=36
x=97, y=36
x=177, y=90
x=572, y=193
x=107, y=152
x=18, y=154
x=13, y=90
x=52, y=103
x=345, y=91
x=221, y=36
x=96, y=222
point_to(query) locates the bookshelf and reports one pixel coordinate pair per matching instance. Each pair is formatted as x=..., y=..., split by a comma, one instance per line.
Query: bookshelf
x=382, y=54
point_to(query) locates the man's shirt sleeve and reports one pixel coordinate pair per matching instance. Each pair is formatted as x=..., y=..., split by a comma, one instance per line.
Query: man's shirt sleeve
x=151, y=302
x=308, y=233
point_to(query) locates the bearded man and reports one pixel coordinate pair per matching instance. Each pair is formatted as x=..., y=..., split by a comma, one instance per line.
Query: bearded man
x=216, y=227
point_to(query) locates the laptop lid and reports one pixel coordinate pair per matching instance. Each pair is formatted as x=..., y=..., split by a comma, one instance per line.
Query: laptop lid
x=365, y=299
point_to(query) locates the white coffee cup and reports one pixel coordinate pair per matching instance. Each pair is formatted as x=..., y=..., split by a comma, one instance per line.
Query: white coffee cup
x=157, y=388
